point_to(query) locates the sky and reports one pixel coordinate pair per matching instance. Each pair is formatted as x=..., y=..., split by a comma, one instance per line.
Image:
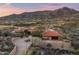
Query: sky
x=18, y=8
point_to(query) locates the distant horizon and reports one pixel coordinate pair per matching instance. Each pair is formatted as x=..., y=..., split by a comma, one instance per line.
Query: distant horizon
x=18, y=8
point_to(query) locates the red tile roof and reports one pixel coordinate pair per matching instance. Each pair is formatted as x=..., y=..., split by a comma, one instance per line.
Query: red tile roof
x=50, y=33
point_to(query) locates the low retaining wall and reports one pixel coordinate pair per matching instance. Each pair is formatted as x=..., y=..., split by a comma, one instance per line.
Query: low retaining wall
x=28, y=48
x=13, y=52
x=59, y=44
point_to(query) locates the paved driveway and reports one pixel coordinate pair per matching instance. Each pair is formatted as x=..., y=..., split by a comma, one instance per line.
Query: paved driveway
x=21, y=45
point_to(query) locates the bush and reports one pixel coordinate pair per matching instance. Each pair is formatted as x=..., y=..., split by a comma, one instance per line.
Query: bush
x=6, y=45
x=37, y=33
x=36, y=42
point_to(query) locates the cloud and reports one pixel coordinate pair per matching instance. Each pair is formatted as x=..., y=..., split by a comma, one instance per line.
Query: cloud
x=6, y=9
x=47, y=6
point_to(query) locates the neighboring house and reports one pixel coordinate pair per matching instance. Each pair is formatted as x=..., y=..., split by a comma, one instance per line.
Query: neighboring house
x=23, y=31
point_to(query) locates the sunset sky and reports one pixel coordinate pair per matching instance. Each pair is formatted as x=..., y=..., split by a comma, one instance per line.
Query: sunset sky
x=17, y=8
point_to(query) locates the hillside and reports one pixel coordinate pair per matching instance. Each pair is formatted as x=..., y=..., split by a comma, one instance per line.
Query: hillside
x=40, y=15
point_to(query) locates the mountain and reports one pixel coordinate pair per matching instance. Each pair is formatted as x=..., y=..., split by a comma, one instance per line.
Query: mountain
x=58, y=13
x=65, y=11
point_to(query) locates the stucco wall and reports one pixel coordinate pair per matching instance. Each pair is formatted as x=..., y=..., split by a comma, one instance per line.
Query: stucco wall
x=58, y=44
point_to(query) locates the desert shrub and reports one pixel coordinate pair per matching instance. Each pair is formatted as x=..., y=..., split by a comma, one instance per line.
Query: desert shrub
x=36, y=41
x=6, y=45
x=75, y=44
x=37, y=33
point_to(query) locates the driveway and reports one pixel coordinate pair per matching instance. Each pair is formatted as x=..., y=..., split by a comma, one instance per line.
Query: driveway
x=21, y=45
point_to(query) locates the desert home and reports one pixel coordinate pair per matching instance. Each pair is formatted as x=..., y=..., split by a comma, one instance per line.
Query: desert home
x=52, y=37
